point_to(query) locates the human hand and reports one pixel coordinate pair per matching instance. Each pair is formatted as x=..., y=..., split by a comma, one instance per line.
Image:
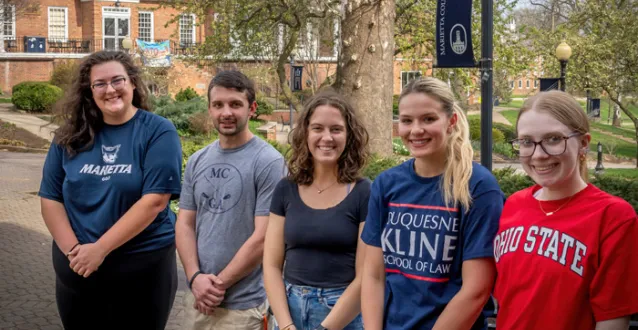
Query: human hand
x=86, y=258
x=208, y=292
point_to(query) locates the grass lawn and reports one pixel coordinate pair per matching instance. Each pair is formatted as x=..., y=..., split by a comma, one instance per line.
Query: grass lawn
x=513, y=104
x=627, y=173
x=5, y=100
x=510, y=115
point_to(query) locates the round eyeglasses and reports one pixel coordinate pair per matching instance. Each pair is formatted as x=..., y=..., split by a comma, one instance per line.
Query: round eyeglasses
x=551, y=145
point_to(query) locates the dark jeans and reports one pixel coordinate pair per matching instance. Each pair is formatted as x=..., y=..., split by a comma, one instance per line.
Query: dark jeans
x=128, y=291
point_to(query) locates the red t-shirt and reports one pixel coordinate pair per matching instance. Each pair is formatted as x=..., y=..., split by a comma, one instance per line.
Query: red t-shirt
x=567, y=270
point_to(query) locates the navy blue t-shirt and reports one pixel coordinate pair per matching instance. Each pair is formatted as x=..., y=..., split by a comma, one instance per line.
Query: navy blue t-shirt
x=425, y=242
x=99, y=185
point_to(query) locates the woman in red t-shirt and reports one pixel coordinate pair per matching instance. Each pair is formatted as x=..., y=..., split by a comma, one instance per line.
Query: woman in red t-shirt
x=566, y=252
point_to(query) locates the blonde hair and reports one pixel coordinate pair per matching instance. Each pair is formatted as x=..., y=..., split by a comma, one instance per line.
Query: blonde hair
x=458, y=167
x=564, y=108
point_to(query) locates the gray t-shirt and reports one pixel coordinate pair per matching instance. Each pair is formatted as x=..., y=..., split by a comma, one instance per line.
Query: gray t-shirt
x=228, y=188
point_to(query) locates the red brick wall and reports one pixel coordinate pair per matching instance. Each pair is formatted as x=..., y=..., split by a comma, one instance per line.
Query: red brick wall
x=37, y=23
x=15, y=72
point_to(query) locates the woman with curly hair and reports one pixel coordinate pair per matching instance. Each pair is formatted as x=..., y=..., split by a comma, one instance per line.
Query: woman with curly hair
x=316, y=219
x=108, y=177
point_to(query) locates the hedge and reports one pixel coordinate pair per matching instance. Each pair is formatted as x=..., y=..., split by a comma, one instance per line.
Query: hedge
x=35, y=96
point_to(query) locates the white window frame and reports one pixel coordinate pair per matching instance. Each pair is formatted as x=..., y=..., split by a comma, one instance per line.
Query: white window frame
x=194, y=17
x=520, y=83
x=512, y=84
x=66, y=22
x=420, y=74
x=115, y=12
x=527, y=84
x=535, y=83
x=12, y=36
x=152, y=24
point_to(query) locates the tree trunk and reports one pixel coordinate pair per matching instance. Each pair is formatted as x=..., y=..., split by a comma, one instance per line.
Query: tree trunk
x=365, y=71
x=616, y=121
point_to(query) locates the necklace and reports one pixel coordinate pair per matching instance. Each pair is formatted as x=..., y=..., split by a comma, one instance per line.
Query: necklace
x=556, y=210
x=319, y=191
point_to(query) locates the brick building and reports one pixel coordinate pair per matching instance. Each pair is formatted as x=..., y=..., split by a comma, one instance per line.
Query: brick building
x=44, y=33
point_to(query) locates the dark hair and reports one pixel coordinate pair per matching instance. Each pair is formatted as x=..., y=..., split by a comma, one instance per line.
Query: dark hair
x=236, y=80
x=355, y=154
x=82, y=117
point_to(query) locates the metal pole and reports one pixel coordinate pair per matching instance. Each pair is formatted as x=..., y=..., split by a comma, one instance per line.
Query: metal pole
x=292, y=62
x=487, y=27
x=563, y=69
x=589, y=109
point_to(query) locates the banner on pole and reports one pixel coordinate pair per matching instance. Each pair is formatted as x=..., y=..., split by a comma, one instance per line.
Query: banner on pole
x=454, y=34
x=595, y=108
x=155, y=54
x=297, y=73
x=547, y=84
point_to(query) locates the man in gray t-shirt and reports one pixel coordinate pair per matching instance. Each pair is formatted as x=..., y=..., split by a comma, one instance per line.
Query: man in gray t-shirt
x=224, y=208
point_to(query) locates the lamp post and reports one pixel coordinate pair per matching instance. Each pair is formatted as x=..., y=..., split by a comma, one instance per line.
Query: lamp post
x=117, y=3
x=599, y=165
x=563, y=52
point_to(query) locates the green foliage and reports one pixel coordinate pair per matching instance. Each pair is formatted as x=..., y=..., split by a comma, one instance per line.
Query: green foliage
x=510, y=181
x=64, y=73
x=399, y=148
x=180, y=113
x=377, y=164
x=185, y=95
x=283, y=149
x=508, y=131
x=395, y=105
x=475, y=131
x=35, y=96
x=263, y=107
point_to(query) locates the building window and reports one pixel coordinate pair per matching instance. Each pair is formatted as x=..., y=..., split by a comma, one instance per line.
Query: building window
x=187, y=30
x=8, y=22
x=58, y=23
x=145, y=26
x=512, y=84
x=407, y=76
x=535, y=83
x=520, y=83
x=527, y=84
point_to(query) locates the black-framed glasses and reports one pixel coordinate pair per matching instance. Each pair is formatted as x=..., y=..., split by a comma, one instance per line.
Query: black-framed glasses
x=117, y=84
x=551, y=145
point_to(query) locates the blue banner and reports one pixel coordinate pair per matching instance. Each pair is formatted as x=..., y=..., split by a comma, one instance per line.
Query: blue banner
x=595, y=108
x=155, y=54
x=297, y=73
x=547, y=84
x=454, y=34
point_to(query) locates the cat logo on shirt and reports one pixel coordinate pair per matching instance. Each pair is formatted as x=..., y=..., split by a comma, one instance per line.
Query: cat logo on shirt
x=109, y=154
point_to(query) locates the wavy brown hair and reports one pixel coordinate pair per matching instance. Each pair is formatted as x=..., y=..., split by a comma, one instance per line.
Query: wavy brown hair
x=82, y=117
x=355, y=154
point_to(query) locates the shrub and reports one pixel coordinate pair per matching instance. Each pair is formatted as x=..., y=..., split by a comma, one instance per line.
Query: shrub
x=180, y=112
x=185, y=95
x=510, y=181
x=475, y=131
x=35, y=96
x=377, y=164
x=200, y=123
x=263, y=107
x=508, y=131
x=64, y=73
x=395, y=105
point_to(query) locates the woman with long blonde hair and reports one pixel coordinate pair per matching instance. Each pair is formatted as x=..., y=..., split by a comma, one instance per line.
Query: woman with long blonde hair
x=431, y=222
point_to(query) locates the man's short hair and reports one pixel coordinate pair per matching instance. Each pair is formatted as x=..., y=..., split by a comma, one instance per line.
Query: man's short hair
x=235, y=80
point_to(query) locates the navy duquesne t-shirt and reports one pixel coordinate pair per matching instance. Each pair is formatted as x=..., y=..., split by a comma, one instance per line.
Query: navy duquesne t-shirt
x=425, y=241
x=98, y=186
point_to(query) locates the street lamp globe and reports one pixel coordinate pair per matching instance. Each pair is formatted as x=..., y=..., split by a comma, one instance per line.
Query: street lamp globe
x=127, y=43
x=563, y=51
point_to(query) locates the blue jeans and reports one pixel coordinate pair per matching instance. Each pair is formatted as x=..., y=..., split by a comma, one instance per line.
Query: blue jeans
x=309, y=306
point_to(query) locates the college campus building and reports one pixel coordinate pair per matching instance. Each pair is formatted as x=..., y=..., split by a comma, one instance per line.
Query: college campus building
x=37, y=35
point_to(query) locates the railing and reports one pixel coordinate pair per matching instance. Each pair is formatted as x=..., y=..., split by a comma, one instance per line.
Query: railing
x=79, y=46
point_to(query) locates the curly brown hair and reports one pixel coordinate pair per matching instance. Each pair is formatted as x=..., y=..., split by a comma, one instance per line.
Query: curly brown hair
x=82, y=117
x=355, y=154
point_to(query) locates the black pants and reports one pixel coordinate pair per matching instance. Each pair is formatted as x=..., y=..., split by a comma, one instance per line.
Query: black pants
x=128, y=291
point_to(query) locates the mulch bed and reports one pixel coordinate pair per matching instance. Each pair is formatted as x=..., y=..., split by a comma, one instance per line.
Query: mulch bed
x=15, y=138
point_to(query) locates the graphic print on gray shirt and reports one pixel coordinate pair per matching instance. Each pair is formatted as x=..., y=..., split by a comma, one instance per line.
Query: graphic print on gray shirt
x=228, y=188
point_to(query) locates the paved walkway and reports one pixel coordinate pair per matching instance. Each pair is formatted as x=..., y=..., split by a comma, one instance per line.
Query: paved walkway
x=27, y=280
x=31, y=123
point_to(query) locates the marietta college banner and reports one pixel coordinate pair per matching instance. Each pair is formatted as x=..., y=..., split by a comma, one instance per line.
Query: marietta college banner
x=454, y=34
